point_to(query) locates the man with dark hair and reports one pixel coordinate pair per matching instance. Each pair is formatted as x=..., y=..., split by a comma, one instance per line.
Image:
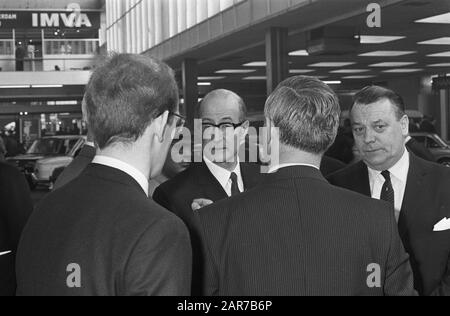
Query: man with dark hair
x=219, y=176
x=295, y=234
x=101, y=234
x=417, y=189
x=15, y=209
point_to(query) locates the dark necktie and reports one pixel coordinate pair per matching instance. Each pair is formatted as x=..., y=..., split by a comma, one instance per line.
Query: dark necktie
x=387, y=193
x=234, y=185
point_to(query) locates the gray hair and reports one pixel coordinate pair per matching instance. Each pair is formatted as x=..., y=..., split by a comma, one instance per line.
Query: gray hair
x=307, y=112
x=224, y=94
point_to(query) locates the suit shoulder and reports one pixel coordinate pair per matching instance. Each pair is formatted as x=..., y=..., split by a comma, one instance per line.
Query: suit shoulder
x=166, y=220
x=346, y=173
x=7, y=170
x=179, y=181
x=433, y=167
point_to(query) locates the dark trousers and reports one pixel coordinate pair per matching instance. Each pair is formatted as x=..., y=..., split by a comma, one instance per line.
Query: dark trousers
x=19, y=65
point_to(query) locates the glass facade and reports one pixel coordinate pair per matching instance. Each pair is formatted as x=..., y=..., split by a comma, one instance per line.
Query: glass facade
x=134, y=26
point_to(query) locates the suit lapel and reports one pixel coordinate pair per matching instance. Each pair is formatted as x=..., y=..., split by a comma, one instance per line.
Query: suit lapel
x=414, y=182
x=211, y=188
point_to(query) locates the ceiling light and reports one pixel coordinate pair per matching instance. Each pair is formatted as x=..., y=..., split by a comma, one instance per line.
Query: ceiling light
x=373, y=39
x=204, y=83
x=210, y=78
x=387, y=53
x=255, y=78
x=438, y=19
x=332, y=64
x=437, y=41
x=302, y=52
x=330, y=82
x=443, y=54
x=440, y=65
x=393, y=64
x=402, y=70
x=357, y=77
x=15, y=87
x=256, y=64
x=47, y=86
x=349, y=71
x=301, y=71
x=235, y=71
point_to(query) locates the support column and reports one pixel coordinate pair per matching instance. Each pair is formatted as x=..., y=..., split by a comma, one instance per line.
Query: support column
x=189, y=75
x=445, y=113
x=276, y=57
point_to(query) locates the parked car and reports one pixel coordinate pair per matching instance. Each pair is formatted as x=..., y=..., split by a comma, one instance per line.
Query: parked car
x=439, y=148
x=45, y=155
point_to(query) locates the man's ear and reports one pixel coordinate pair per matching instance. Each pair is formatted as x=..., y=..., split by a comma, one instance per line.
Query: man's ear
x=269, y=126
x=245, y=126
x=160, y=125
x=404, y=121
x=84, y=110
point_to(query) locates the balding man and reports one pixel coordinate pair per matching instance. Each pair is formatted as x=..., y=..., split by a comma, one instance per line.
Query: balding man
x=219, y=176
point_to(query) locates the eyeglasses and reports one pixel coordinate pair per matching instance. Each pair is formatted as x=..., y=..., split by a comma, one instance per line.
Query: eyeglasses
x=222, y=126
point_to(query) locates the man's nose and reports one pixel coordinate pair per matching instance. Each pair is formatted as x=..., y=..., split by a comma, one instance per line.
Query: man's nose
x=369, y=136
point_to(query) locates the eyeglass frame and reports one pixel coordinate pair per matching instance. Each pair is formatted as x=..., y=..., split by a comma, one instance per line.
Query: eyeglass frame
x=235, y=126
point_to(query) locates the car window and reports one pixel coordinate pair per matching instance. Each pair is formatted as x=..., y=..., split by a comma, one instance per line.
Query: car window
x=52, y=146
x=431, y=143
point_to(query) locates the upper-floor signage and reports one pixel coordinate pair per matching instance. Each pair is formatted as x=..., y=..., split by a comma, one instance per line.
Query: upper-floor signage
x=62, y=19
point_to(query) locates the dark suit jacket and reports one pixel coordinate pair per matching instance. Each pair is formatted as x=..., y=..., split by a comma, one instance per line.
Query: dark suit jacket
x=77, y=166
x=197, y=182
x=331, y=165
x=124, y=243
x=426, y=202
x=295, y=234
x=15, y=208
x=420, y=150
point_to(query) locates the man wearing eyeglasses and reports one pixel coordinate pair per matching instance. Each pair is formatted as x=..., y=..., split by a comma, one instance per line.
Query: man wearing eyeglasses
x=101, y=235
x=221, y=174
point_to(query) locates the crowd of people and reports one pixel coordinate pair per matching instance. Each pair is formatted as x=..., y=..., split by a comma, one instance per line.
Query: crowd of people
x=311, y=225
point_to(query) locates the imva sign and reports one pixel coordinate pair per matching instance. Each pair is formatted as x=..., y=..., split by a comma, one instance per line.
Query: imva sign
x=68, y=20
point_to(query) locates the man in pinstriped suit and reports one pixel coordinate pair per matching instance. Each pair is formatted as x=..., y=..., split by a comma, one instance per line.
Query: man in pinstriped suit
x=295, y=234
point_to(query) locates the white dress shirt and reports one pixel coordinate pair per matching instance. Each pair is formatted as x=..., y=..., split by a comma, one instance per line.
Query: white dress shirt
x=287, y=165
x=399, y=177
x=140, y=178
x=224, y=176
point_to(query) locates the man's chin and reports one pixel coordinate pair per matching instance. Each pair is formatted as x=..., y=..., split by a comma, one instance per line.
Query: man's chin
x=376, y=163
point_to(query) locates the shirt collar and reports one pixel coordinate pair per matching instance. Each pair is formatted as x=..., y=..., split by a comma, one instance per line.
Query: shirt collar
x=89, y=144
x=399, y=170
x=140, y=178
x=222, y=175
x=286, y=165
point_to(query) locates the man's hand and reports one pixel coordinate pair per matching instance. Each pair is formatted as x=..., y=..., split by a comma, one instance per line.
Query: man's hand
x=200, y=203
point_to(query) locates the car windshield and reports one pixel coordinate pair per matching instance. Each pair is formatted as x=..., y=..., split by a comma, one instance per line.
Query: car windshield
x=52, y=146
x=437, y=142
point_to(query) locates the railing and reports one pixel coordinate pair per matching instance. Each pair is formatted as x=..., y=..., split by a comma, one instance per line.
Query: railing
x=6, y=47
x=71, y=47
x=57, y=55
x=48, y=64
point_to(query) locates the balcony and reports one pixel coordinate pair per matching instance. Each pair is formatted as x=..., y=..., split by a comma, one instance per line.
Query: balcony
x=50, y=55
